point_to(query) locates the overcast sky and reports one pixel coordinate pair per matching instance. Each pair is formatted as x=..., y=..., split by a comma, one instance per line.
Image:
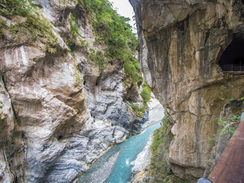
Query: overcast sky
x=124, y=8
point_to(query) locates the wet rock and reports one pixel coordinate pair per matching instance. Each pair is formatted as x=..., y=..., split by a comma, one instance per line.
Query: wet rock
x=120, y=134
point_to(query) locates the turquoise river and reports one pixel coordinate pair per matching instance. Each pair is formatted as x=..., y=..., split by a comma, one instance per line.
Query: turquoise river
x=114, y=166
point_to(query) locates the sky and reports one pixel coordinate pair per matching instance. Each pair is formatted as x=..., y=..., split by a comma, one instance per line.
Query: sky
x=124, y=8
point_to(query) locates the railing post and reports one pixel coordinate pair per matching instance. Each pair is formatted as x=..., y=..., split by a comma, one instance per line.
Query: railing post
x=242, y=116
x=204, y=180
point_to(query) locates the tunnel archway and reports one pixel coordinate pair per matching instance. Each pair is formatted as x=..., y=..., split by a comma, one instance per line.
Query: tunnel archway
x=232, y=58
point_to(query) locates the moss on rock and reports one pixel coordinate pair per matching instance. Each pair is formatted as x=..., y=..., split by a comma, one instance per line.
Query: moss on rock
x=159, y=168
x=31, y=25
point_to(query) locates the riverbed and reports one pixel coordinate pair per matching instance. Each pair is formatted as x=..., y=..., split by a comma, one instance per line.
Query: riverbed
x=114, y=166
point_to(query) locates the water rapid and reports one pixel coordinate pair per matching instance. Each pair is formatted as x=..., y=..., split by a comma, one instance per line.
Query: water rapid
x=114, y=166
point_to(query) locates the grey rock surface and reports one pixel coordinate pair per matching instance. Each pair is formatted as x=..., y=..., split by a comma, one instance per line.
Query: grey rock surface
x=156, y=112
x=7, y=120
x=58, y=113
x=102, y=173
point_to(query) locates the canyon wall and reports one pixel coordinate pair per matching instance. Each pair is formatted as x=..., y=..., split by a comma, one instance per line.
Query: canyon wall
x=58, y=110
x=180, y=45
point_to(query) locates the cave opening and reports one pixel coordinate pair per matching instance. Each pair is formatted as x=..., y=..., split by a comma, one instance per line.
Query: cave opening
x=232, y=58
x=242, y=1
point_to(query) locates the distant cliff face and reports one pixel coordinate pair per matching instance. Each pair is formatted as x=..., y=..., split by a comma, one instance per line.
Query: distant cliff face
x=58, y=110
x=182, y=43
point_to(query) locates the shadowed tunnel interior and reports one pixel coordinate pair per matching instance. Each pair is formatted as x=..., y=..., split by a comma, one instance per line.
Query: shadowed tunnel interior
x=233, y=57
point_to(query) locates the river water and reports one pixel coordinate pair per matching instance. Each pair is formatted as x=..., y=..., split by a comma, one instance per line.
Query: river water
x=114, y=166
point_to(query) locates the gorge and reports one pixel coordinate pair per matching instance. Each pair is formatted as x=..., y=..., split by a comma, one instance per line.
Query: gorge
x=71, y=85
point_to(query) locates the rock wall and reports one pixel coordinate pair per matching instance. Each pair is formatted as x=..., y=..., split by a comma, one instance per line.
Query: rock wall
x=58, y=112
x=229, y=120
x=180, y=44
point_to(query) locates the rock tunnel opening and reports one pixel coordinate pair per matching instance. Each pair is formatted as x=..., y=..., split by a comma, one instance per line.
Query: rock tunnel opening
x=232, y=58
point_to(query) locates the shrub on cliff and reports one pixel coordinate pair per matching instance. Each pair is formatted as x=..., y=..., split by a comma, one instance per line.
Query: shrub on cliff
x=159, y=168
x=113, y=31
x=15, y=7
x=145, y=93
x=137, y=109
x=35, y=27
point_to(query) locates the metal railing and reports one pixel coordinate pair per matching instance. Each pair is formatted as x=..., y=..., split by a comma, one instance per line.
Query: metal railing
x=229, y=167
x=233, y=67
x=204, y=180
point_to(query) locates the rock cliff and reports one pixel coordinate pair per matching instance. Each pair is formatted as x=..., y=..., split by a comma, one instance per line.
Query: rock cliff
x=58, y=109
x=184, y=48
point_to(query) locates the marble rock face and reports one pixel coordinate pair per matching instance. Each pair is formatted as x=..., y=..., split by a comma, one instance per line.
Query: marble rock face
x=58, y=112
x=181, y=43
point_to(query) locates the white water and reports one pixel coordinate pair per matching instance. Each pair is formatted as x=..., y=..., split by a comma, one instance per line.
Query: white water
x=121, y=169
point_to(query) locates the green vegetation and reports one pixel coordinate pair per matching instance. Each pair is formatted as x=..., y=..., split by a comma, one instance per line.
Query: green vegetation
x=223, y=89
x=145, y=93
x=229, y=100
x=240, y=99
x=15, y=7
x=98, y=58
x=161, y=141
x=2, y=116
x=77, y=77
x=213, y=139
x=221, y=122
x=113, y=31
x=137, y=109
x=73, y=26
x=34, y=28
x=75, y=39
x=234, y=117
x=230, y=130
x=110, y=30
x=159, y=167
x=1, y=25
x=222, y=93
